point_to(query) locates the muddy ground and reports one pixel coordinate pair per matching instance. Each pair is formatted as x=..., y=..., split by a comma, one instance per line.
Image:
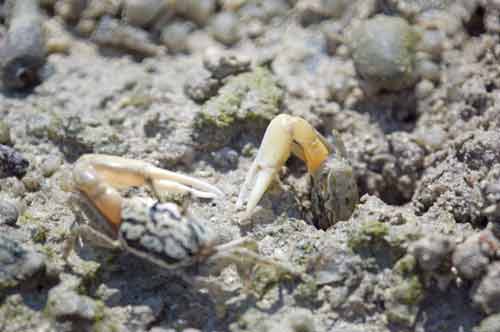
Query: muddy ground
x=420, y=126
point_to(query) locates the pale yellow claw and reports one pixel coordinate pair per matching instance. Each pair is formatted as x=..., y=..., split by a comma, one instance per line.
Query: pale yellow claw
x=99, y=176
x=285, y=134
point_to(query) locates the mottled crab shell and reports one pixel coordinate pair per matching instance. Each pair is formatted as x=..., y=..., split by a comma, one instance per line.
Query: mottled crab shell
x=163, y=235
x=334, y=191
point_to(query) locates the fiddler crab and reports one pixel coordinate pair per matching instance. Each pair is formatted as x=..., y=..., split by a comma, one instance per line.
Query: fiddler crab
x=334, y=192
x=165, y=234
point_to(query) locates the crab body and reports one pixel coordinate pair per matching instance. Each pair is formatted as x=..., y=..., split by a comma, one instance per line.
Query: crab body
x=164, y=234
x=334, y=192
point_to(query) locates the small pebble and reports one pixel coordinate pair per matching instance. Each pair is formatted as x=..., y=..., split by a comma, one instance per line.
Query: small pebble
x=222, y=64
x=114, y=33
x=142, y=13
x=201, y=88
x=433, y=251
x=225, y=28
x=17, y=264
x=175, y=36
x=198, y=11
x=487, y=294
x=16, y=186
x=12, y=163
x=490, y=324
x=424, y=89
x=64, y=303
x=384, y=53
x=225, y=158
x=32, y=182
x=23, y=51
x=8, y=213
x=111, y=296
x=4, y=134
x=50, y=165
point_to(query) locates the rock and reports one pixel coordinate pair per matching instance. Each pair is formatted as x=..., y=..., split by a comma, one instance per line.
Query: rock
x=64, y=302
x=198, y=11
x=225, y=28
x=23, y=54
x=402, y=301
x=336, y=266
x=50, y=165
x=413, y=7
x=245, y=104
x=469, y=259
x=201, y=88
x=175, y=36
x=142, y=13
x=384, y=52
x=17, y=264
x=490, y=324
x=4, y=134
x=8, y=213
x=226, y=158
x=12, y=163
x=433, y=251
x=114, y=33
x=70, y=10
x=222, y=64
x=487, y=294
x=33, y=181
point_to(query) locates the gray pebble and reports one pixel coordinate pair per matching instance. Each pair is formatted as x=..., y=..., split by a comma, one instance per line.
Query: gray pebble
x=175, y=36
x=111, y=296
x=384, y=52
x=18, y=264
x=114, y=33
x=201, y=88
x=70, y=10
x=50, y=165
x=8, y=213
x=490, y=324
x=142, y=13
x=33, y=182
x=23, y=53
x=432, y=251
x=487, y=295
x=12, y=163
x=4, y=133
x=335, y=8
x=198, y=11
x=64, y=303
x=469, y=260
x=225, y=158
x=161, y=329
x=225, y=28
x=222, y=65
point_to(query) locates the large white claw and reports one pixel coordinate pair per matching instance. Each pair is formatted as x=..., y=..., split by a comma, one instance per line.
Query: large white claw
x=285, y=134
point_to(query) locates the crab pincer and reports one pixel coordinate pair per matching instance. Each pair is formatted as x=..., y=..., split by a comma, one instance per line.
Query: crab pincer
x=334, y=190
x=99, y=177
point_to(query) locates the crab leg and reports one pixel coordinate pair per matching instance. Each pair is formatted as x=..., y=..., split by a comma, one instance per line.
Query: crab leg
x=99, y=177
x=285, y=135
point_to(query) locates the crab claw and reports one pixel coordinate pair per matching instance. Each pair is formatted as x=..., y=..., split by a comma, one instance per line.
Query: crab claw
x=285, y=135
x=99, y=177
